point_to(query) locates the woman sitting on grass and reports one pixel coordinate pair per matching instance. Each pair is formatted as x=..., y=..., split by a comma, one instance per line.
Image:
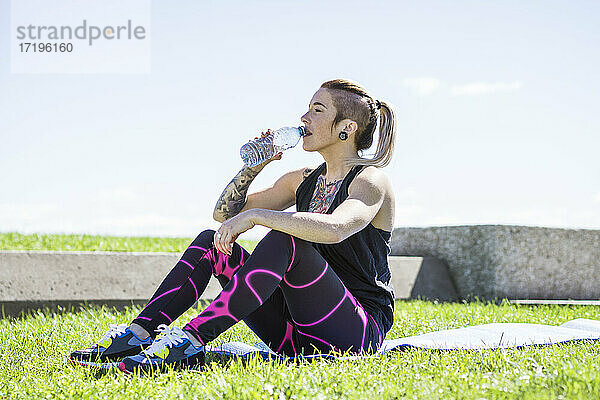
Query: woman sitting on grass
x=318, y=281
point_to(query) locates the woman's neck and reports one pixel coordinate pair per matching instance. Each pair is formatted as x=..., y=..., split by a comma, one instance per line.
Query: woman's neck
x=335, y=176
x=335, y=169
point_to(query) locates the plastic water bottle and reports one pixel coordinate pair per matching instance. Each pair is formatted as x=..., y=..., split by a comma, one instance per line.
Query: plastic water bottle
x=257, y=151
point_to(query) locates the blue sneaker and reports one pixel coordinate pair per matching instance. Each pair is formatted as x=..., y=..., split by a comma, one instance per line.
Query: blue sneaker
x=117, y=342
x=172, y=349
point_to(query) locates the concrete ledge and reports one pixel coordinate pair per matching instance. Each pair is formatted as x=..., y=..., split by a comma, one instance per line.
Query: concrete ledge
x=514, y=262
x=425, y=278
x=36, y=279
x=70, y=275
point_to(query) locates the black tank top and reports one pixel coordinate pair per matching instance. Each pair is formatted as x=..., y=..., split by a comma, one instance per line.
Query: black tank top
x=360, y=260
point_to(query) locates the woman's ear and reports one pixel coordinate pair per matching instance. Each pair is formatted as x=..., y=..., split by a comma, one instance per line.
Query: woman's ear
x=347, y=125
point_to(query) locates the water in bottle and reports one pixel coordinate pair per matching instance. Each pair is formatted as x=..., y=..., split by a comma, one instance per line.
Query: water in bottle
x=257, y=151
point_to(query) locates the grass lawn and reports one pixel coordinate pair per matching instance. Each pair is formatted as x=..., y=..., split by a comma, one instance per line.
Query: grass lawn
x=33, y=352
x=18, y=241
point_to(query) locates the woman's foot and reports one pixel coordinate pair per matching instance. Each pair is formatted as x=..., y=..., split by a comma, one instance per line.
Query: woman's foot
x=118, y=342
x=172, y=349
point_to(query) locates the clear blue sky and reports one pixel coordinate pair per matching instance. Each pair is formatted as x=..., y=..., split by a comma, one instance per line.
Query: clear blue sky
x=497, y=102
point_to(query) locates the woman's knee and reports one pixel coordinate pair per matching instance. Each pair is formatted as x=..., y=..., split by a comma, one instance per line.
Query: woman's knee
x=205, y=238
x=284, y=243
x=278, y=239
x=285, y=239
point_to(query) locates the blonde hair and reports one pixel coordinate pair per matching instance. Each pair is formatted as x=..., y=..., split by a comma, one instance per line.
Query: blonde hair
x=352, y=101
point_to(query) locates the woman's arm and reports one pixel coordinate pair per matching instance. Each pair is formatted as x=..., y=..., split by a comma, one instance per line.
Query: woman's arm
x=233, y=198
x=313, y=227
x=279, y=196
x=365, y=196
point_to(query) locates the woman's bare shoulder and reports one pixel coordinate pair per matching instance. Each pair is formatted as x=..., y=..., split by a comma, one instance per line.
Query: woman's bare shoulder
x=299, y=175
x=375, y=175
x=372, y=176
x=376, y=179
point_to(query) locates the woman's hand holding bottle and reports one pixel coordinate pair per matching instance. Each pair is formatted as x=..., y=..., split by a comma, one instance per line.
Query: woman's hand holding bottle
x=276, y=156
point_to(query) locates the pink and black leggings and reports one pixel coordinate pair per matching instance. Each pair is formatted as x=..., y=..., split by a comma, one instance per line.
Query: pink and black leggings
x=284, y=291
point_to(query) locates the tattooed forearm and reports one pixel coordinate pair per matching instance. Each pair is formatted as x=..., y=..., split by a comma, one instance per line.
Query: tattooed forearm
x=233, y=198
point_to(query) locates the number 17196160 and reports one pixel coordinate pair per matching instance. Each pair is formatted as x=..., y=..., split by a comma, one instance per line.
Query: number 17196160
x=46, y=47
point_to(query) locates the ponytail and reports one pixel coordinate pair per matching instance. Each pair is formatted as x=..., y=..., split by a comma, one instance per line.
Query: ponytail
x=385, y=144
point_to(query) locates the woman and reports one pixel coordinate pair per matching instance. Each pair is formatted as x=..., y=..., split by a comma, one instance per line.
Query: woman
x=319, y=280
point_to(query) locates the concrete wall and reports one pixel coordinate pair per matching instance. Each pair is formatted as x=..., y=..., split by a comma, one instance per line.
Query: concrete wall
x=515, y=262
x=32, y=279
x=70, y=275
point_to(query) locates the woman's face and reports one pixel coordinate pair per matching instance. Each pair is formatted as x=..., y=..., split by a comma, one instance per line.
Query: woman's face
x=318, y=120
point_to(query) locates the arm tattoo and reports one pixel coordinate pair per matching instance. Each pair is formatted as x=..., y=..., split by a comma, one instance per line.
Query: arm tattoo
x=233, y=198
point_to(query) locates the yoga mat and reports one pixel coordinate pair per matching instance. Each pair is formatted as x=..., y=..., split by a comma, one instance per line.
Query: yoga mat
x=478, y=337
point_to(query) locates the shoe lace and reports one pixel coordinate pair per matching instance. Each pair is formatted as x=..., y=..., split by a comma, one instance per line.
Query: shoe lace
x=114, y=331
x=170, y=337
